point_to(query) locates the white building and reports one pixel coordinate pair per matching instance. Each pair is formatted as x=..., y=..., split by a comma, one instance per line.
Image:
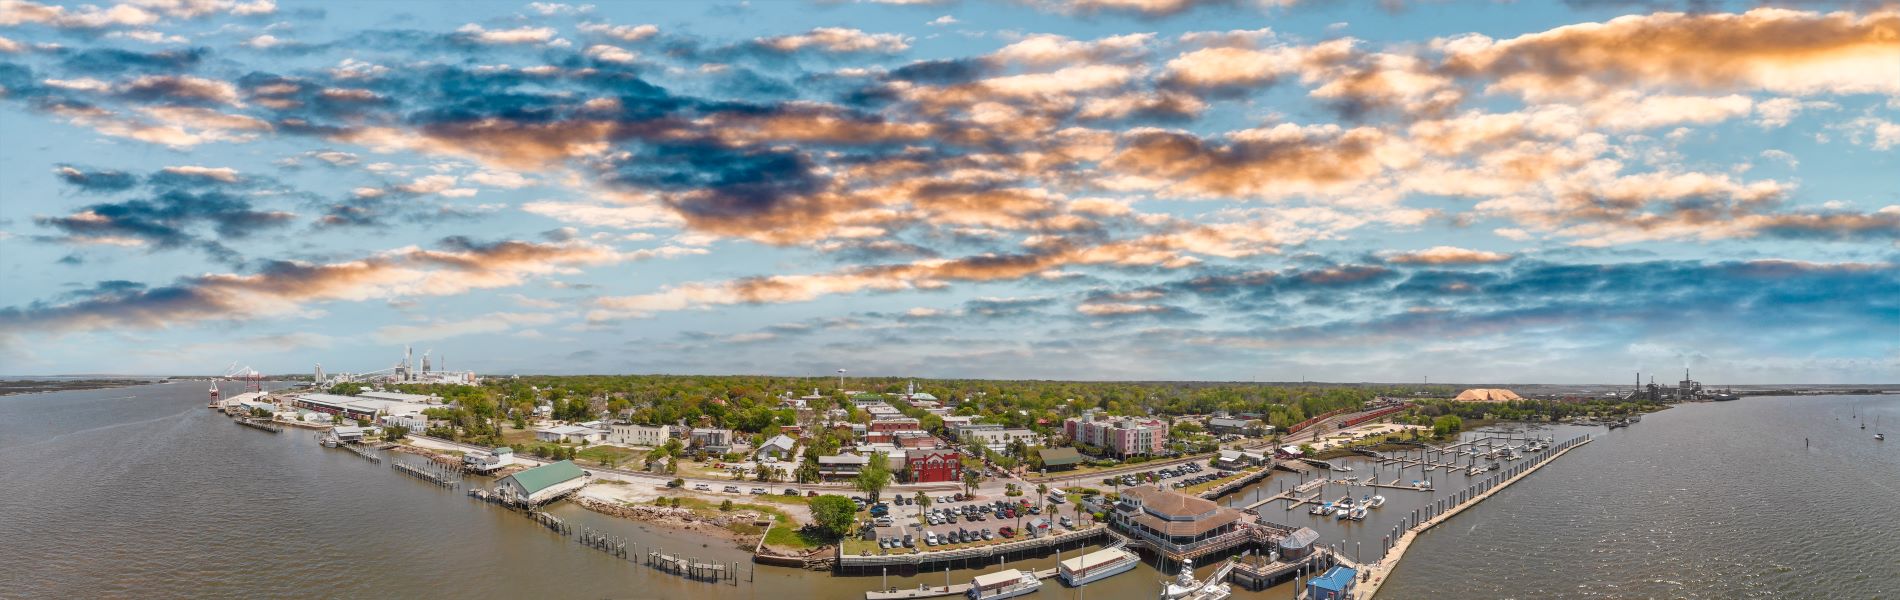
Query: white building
x=779, y=447
x=568, y=433
x=999, y=439
x=629, y=434
x=491, y=461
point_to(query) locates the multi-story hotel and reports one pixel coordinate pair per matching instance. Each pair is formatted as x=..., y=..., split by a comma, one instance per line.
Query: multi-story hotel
x=1124, y=436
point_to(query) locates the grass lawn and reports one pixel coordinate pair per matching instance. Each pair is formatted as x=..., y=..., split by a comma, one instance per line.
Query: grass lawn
x=785, y=531
x=516, y=438
x=601, y=454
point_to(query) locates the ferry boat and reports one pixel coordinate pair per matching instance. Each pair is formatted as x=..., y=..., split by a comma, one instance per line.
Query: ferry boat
x=1096, y=566
x=1007, y=583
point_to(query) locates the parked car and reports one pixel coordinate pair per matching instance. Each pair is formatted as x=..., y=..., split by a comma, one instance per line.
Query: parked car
x=909, y=542
x=702, y=487
x=884, y=521
x=758, y=491
x=1067, y=522
x=930, y=538
x=791, y=492
x=1006, y=532
x=732, y=489
x=987, y=535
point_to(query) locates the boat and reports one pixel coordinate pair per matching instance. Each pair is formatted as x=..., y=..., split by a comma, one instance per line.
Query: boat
x=1322, y=510
x=1880, y=436
x=1474, y=470
x=1343, y=513
x=1376, y=501
x=1186, y=587
x=1096, y=566
x=1007, y=583
x=1358, y=513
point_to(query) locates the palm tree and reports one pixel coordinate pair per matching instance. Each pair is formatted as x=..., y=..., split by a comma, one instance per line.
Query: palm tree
x=970, y=481
x=1042, y=493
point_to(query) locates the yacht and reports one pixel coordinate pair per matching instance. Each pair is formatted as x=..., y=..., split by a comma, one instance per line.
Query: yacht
x=1007, y=583
x=1185, y=587
x=1096, y=566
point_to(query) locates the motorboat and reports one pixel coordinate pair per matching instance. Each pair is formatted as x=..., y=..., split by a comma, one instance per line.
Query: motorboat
x=1322, y=510
x=1376, y=501
x=1358, y=513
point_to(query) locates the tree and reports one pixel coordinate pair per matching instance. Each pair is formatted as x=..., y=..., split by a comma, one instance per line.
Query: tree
x=1042, y=493
x=832, y=514
x=395, y=432
x=726, y=506
x=970, y=480
x=874, y=476
x=1447, y=425
x=923, y=507
x=807, y=472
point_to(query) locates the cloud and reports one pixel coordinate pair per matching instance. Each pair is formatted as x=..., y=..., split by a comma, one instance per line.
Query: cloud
x=96, y=181
x=1446, y=255
x=625, y=33
x=519, y=35
x=288, y=288
x=595, y=215
x=840, y=40
x=495, y=322
x=1778, y=50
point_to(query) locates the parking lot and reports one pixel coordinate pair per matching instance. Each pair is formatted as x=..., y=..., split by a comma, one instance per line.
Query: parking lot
x=1177, y=476
x=949, y=523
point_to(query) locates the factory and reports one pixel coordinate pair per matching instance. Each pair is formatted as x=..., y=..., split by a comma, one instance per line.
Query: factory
x=407, y=370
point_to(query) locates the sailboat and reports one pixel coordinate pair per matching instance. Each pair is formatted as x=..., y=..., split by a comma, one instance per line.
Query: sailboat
x=1877, y=434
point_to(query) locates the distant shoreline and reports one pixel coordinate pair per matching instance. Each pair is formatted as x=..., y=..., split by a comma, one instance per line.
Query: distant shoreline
x=40, y=386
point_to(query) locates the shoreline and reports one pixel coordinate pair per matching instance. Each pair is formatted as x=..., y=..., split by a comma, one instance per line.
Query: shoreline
x=79, y=386
x=1377, y=573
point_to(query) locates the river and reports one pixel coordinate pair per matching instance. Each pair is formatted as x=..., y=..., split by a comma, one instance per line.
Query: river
x=142, y=492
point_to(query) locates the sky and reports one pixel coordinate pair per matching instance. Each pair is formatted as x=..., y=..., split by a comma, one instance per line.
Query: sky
x=1270, y=190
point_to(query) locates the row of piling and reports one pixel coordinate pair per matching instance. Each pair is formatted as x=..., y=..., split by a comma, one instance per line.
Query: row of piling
x=435, y=473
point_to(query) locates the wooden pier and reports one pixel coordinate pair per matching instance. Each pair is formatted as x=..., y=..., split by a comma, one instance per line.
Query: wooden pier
x=263, y=424
x=362, y=452
x=435, y=473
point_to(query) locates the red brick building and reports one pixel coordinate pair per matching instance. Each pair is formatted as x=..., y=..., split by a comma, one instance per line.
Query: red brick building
x=895, y=425
x=934, y=466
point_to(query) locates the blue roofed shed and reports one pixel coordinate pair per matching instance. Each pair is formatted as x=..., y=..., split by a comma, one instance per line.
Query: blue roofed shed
x=1336, y=584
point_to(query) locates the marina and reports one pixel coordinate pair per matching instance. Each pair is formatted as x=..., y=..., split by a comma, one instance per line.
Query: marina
x=451, y=528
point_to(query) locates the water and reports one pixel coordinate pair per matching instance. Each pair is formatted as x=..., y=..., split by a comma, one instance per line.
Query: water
x=141, y=492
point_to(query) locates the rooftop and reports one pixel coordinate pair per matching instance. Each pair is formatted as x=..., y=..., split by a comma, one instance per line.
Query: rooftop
x=546, y=476
x=1336, y=579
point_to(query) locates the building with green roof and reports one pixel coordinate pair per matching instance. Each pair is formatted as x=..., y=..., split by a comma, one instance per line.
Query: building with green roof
x=543, y=484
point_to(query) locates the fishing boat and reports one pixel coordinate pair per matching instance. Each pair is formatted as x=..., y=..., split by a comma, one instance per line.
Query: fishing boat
x=1096, y=566
x=1007, y=583
x=1186, y=587
x=1376, y=501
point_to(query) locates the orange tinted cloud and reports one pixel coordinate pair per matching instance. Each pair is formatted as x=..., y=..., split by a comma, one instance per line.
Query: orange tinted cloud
x=1788, y=51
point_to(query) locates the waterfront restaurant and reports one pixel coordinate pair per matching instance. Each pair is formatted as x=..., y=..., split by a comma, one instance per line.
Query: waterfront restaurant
x=1183, y=526
x=1336, y=584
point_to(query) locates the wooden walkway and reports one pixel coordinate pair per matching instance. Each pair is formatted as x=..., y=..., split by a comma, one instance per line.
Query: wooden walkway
x=938, y=591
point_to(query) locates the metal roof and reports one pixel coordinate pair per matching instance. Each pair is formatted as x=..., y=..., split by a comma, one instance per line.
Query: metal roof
x=1337, y=579
x=1303, y=537
x=546, y=476
x=999, y=578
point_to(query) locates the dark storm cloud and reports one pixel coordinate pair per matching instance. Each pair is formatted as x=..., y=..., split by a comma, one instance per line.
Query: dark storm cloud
x=108, y=61
x=96, y=180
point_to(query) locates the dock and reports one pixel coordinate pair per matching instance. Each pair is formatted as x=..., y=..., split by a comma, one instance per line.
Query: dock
x=1418, y=521
x=984, y=553
x=938, y=591
x=435, y=474
x=263, y=424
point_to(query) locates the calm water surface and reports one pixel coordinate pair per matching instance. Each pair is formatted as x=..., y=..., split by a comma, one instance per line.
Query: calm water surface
x=141, y=492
